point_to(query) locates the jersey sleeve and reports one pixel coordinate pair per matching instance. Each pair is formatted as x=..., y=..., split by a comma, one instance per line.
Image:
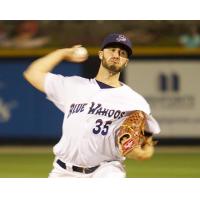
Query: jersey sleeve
x=56, y=89
x=139, y=103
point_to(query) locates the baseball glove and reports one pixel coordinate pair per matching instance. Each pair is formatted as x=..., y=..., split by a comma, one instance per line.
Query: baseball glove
x=131, y=133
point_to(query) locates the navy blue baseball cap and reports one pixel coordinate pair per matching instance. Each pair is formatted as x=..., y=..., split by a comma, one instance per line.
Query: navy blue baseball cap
x=120, y=39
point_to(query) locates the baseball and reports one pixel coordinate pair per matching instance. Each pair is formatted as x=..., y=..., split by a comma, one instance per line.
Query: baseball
x=81, y=52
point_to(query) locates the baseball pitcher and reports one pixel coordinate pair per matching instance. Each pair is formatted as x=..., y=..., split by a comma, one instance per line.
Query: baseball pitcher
x=105, y=121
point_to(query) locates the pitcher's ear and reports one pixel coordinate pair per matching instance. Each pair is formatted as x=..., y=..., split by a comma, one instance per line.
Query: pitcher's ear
x=100, y=55
x=126, y=62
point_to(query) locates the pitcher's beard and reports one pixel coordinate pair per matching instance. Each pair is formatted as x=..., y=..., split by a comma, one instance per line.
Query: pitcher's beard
x=112, y=67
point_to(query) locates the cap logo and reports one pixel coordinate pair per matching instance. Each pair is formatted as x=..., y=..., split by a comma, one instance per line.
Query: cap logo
x=121, y=38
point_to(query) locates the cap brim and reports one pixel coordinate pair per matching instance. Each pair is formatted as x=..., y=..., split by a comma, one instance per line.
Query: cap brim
x=127, y=48
x=152, y=125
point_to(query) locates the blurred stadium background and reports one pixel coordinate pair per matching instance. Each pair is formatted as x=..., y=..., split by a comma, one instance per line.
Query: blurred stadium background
x=165, y=68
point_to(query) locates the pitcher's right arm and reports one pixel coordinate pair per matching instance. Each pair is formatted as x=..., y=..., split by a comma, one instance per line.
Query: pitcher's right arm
x=37, y=70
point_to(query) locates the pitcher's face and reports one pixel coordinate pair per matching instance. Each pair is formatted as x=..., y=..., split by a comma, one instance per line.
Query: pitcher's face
x=114, y=59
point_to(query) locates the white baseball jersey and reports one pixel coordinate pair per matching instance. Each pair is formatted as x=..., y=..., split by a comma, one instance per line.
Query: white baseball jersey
x=91, y=116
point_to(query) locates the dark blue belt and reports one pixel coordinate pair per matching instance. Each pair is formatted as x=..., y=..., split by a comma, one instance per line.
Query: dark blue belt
x=77, y=168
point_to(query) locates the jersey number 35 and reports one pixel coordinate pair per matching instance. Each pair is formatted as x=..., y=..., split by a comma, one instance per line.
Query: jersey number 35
x=101, y=127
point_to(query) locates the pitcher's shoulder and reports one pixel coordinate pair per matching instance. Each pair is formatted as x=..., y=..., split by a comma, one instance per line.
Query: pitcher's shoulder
x=136, y=97
x=134, y=94
x=77, y=80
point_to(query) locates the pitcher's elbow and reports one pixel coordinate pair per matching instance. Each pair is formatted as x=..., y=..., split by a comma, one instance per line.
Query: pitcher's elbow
x=25, y=75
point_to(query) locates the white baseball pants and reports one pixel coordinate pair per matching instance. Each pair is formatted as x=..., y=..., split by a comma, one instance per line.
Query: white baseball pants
x=113, y=169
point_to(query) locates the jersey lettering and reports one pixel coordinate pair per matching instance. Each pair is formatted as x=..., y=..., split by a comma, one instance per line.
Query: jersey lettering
x=96, y=109
x=99, y=110
x=76, y=108
x=110, y=113
x=92, y=109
